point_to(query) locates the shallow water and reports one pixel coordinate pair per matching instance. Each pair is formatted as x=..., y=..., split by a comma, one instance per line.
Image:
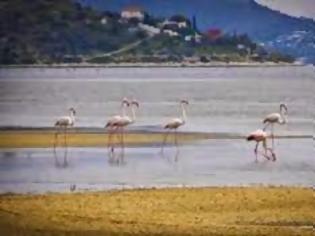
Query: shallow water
x=221, y=100
x=209, y=163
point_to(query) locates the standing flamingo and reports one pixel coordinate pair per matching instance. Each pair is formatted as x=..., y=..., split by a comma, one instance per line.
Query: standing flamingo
x=279, y=118
x=63, y=123
x=261, y=136
x=113, y=123
x=126, y=120
x=174, y=123
x=118, y=123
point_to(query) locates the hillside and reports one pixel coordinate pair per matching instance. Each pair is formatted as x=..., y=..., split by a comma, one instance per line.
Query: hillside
x=265, y=26
x=46, y=31
x=64, y=31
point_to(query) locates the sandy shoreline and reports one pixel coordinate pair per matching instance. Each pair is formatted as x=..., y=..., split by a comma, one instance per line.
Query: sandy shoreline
x=183, y=211
x=154, y=65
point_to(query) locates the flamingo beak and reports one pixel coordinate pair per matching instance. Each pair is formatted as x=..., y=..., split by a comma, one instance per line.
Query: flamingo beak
x=184, y=102
x=283, y=106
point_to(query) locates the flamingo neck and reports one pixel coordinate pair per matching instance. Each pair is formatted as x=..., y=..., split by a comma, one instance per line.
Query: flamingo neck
x=72, y=116
x=133, y=113
x=184, y=117
x=284, y=119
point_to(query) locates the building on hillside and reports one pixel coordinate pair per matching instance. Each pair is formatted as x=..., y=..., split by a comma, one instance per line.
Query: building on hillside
x=151, y=30
x=104, y=20
x=132, y=12
x=214, y=34
x=168, y=23
x=193, y=38
x=170, y=33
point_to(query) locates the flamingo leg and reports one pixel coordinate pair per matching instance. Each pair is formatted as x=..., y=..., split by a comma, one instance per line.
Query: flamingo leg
x=256, y=152
x=56, y=137
x=122, y=144
x=175, y=138
x=272, y=136
x=65, y=162
x=265, y=154
x=110, y=144
x=164, y=140
x=176, y=144
x=273, y=155
x=55, y=146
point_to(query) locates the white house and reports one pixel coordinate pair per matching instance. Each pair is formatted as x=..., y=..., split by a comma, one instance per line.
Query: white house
x=132, y=12
x=182, y=24
x=104, y=21
x=151, y=30
x=196, y=37
x=170, y=32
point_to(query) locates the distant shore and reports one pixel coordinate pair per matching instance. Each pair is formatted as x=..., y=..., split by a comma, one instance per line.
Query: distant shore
x=155, y=65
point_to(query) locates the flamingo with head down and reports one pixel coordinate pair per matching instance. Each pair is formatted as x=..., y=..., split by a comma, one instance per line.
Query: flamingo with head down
x=261, y=136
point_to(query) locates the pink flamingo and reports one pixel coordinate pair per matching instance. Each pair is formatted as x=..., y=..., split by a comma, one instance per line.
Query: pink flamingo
x=175, y=123
x=261, y=136
x=276, y=118
x=115, y=122
x=118, y=123
x=63, y=123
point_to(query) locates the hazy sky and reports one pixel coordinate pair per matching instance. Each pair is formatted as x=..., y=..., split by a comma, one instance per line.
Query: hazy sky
x=292, y=7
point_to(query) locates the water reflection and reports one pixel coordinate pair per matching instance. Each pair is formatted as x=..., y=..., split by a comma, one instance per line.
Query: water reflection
x=170, y=156
x=63, y=153
x=63, y=156
x=210, y=162
x=116, y=158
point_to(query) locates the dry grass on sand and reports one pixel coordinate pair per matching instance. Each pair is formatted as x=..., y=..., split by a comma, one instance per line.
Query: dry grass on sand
x=184, y=211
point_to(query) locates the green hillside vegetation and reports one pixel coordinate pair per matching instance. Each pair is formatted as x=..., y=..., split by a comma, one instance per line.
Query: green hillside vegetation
x=62, y=31
x=46, y=31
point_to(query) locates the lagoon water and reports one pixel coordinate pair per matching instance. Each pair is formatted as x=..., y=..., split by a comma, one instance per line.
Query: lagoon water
x=221, y=100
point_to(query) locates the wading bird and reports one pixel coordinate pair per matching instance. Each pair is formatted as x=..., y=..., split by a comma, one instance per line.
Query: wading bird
x=114, y=122
x=276, y=118
x=261, y=136
x=174, y=123
x=118, y=123
x=62, y=124
x=128, y=121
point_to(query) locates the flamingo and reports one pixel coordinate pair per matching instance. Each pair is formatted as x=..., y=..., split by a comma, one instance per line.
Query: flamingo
x=279, y=118
x=118, y=123
x=261, y=136
x=126, y=120
x=113, y=123
x=175, y=123
x=63, y=123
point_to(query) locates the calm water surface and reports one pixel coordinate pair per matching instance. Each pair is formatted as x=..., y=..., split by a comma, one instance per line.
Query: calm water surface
x=221, y=100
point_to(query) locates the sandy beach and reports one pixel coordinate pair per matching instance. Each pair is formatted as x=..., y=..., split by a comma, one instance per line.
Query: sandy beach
x=190, y=211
